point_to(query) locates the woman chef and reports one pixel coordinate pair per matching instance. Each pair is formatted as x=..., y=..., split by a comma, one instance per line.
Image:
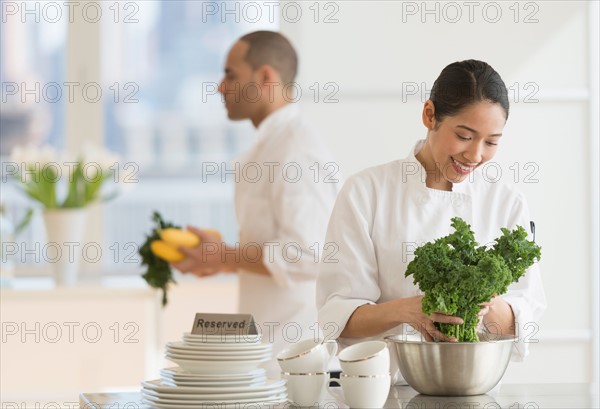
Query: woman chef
x=383, y=213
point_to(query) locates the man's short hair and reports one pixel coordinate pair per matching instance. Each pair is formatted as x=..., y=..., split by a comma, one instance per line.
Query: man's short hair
x=272, y=48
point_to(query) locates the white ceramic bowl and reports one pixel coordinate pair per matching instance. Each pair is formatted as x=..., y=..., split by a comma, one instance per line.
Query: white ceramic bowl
x=307, y=389
x=309, y=355
x=365, y=391
x=366, y=358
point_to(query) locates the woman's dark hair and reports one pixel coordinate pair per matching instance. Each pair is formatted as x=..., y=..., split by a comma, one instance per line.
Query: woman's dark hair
x=464, y=83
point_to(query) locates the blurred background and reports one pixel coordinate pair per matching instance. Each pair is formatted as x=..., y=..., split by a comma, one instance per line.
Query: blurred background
x=139, y=78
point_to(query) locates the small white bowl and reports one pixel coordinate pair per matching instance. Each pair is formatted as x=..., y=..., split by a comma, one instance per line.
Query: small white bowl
x=307, y=389
x=365, y=391
x=309, y=355
x=366, y=358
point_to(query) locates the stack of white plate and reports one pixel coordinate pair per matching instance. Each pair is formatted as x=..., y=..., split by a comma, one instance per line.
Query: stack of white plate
x=214, y=369
x=162, y=396
x=216, y=354
x=192, y=339
x=179, y=377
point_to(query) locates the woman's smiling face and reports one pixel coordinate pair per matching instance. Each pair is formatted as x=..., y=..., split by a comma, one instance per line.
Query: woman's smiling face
x=458, y=144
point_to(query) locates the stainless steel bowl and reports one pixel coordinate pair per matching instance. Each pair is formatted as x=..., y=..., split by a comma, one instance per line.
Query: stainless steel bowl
x=452, y=368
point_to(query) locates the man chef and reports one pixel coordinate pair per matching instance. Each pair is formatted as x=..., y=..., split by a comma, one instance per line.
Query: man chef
x=284, y=206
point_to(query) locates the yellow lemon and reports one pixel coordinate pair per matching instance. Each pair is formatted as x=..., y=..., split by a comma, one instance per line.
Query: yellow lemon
x=213, y=232
x=179, y=238
x=165, y=251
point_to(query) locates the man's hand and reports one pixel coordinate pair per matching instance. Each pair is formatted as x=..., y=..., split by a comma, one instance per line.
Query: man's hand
x=206, y=259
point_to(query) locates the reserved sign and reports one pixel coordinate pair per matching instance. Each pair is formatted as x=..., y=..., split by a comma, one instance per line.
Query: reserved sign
x=224, y=324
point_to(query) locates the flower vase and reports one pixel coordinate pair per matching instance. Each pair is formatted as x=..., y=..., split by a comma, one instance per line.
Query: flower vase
x=7, y=239
x=65, y=230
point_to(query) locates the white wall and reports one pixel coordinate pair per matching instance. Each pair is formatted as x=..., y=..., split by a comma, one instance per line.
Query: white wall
x=375, y=48
x=368, y=54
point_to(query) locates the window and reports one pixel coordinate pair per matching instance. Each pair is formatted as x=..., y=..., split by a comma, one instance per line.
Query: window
x=162, y=62
x=158, y=60
x=32, y=73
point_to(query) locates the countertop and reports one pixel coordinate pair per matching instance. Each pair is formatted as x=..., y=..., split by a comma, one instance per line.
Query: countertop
x=526, y=396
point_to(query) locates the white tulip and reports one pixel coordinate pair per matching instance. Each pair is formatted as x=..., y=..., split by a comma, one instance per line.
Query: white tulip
x=33, y=155
x=30, y=158
x=100, y=156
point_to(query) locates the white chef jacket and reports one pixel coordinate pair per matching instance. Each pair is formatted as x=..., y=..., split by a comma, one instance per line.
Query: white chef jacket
x=286, y=209
x=383, y=213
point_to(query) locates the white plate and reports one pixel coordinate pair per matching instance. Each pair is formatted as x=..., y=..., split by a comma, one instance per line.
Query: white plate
x=203, y=346
x=220, y=384
x=156, y=385
x=207, y=357
x=218, y=367
x=218, y=343
x=240, y=352
x=214, y=381
x=186, y=342
x=225, y=338
x=179, y=373
x=264, y=404
x=249, y=357
x=213, y=398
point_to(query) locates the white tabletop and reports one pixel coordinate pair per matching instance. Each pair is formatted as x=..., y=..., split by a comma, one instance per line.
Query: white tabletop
x=526, y=396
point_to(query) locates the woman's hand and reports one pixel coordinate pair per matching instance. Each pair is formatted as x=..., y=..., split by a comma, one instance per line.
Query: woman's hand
x=370, y=320
x=484, y=309
x=497, y=316
x=425, y=323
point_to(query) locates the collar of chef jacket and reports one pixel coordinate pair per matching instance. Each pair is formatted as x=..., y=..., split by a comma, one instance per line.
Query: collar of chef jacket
x=277, y=119
x=418, y=177
x=270, y=128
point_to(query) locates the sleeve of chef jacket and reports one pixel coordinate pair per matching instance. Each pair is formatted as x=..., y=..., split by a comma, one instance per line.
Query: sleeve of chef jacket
x=350, y=278
x=526, y=297
x=301, y=208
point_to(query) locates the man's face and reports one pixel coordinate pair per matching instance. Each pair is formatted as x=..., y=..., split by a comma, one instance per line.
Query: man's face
x=238, y=87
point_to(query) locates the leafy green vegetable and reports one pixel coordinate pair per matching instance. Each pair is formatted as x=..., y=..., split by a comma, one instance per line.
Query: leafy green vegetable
x=456, y=275
x=159, y=273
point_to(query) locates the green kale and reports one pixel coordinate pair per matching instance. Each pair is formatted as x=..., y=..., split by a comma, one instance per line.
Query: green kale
x=158, y=274
x=456, y=275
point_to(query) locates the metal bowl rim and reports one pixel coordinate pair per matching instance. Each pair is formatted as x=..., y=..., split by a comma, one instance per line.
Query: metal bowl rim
x=502, y=339
x=385, y=375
